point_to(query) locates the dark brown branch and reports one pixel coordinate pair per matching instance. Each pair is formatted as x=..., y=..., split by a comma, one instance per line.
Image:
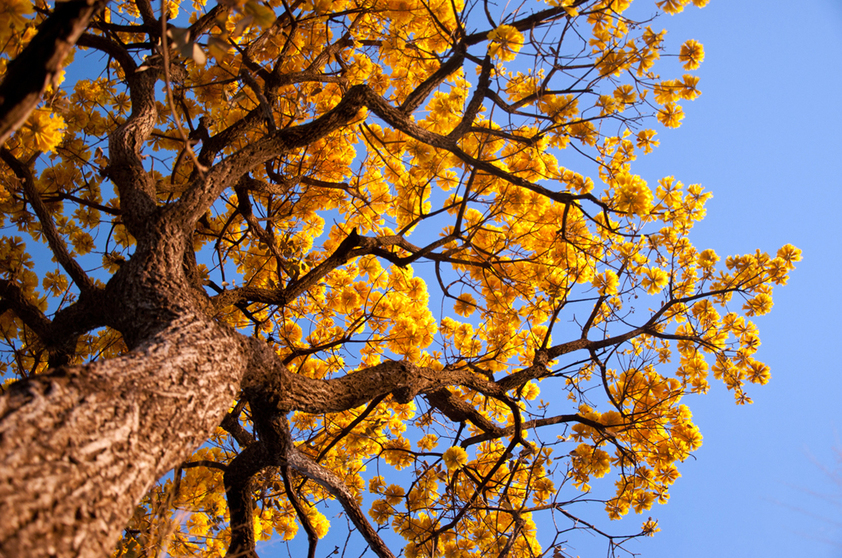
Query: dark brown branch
x=204, y=463
x=283, y=296
x=231, y=424
x=350, y=426
x=458, y=410
x=48, y=227
x=28, y=313
x=532, y=424
x=273, y=428
x=138, y=199
x=238, y=480
x=148, y=16
x=475, y=104
x=201, y=194
x=113, y=49
x=414, y=99
x=60, y=196
x=402, y=379
x=312, y=537
x=543, y=17
x=28, y=75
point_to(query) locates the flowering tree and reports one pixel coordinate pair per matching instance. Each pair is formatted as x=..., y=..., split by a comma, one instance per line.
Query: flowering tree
x=298, y=245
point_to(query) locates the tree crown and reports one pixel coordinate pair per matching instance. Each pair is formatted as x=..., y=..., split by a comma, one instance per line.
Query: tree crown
x=381, y=195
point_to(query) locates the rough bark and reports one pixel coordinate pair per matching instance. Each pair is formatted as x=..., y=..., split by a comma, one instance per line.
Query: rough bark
x=81, y=445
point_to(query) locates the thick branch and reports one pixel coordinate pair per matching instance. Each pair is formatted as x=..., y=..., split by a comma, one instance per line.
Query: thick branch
x=28, y=313
x=105, y=433
x=273, y=428
x=111, y=48
x=414, y=99
x=136, y=188
x=238, y=481
x=458, y=410
x=402, y=379
x=58, y=336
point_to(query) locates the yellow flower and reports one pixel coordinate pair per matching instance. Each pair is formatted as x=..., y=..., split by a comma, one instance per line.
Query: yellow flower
x=428, y=442
x=569, y=7
x=645, y=140
x=12, y=14
x=672, y=7
x=381, y=511
x=692, y=54
x=789, y=254
x=690, y=87
x=633, y=195
x=650, y=527
x=320, y=524
x=671, y=115
x=625, y=94
x=465, y=305
x=607, y=282
x=506, y=41
x=396, y=453
x=707, y=259
x=655, y=279
x=376, y=484
x=759, y=305
x=394, y=494
x=455, y=458
x=758, y=372
x=530, y=391
x=198, y=524
x=43, y=130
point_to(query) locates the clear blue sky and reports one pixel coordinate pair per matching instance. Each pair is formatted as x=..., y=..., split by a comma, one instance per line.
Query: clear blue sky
x=764, y=137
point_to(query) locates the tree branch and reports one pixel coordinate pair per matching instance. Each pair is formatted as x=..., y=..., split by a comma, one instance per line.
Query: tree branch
x=201, y=194
x=138, y=199
x=28, y=75
x=273, y=428
x=48, y=227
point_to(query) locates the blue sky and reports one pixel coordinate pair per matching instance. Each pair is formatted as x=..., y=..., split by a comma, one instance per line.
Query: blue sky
x=762, y=138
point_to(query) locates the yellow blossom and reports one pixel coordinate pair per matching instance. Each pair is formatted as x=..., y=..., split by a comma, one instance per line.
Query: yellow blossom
x=12, y=14
x=455, y=458
x=43, y=131
x=465, y=305
x=692, y=54
x=506, y=42
x=671, y=115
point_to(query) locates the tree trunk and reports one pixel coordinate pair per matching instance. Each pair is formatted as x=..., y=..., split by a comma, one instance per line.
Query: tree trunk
x=82, y=445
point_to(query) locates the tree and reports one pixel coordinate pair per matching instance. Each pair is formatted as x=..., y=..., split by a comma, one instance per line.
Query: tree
x=203, y=318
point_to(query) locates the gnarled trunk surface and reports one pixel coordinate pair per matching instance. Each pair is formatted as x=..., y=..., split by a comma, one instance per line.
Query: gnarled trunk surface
x=81, y=445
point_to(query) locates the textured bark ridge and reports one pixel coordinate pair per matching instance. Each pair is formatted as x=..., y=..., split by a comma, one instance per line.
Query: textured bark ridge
x=81, y=445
